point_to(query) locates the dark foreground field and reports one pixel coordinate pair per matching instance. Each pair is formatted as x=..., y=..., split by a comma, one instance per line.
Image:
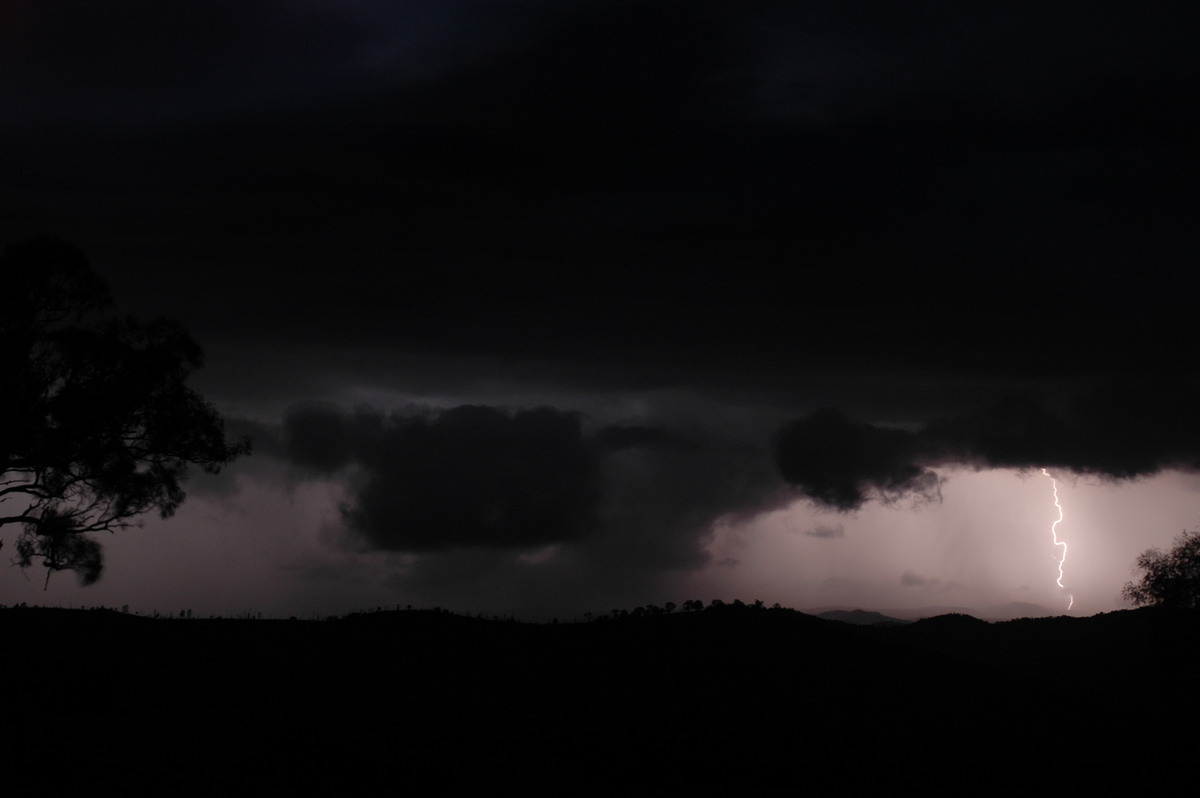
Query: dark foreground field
x=426, y=702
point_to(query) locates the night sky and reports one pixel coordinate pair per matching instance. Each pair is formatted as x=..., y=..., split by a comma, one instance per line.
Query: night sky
x=543, y=308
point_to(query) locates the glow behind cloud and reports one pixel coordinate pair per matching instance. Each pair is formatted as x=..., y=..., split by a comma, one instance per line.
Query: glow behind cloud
x=983, y=546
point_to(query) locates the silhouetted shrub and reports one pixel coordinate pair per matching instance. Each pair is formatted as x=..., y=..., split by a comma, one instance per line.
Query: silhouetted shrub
x=1169, y=579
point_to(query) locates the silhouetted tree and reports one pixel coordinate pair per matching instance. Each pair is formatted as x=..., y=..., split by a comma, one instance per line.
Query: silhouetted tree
x=1169, y=579
x=97, y=424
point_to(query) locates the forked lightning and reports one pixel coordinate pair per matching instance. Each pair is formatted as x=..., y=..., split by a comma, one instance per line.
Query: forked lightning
x=1057, y=542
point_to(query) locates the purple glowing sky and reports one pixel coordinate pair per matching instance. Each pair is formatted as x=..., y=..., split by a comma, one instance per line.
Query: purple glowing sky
x=273, y=542
x=720, y=246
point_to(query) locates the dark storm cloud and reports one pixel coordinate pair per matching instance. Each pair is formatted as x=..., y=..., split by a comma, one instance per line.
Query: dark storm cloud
x=467, y=476
x=1121, y=430
x=693, y=195
x=704, y=184
x=839, y=463
x=1117, y=431
x=323, y=437
x=616, y=437
x=661, y=503
x=127, y=64
x=660, y=496
x=135, y=65
x=639, y=498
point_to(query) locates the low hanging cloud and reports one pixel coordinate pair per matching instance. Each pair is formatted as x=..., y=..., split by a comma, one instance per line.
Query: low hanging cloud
x=1120, y=431
x=840, y=463
x=486, y=478
x=467, y=476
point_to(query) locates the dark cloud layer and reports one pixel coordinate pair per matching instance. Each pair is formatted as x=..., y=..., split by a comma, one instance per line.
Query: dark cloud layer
x=837, y=462
x=468, y=476
x=718, y=193
x=1118, y=431
x=1122, y=431
x=633, y=498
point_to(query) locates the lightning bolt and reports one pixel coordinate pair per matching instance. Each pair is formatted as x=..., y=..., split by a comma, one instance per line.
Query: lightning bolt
x=1057, y=542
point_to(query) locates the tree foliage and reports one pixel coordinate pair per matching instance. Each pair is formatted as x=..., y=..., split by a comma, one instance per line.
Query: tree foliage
x=1169, y=579
x=97, y=423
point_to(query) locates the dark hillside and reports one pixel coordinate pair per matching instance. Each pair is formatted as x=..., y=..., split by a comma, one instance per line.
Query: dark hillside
x=709, y=695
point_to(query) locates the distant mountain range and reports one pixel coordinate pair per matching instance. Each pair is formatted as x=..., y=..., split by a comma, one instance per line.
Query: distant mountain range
x=994, y=612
